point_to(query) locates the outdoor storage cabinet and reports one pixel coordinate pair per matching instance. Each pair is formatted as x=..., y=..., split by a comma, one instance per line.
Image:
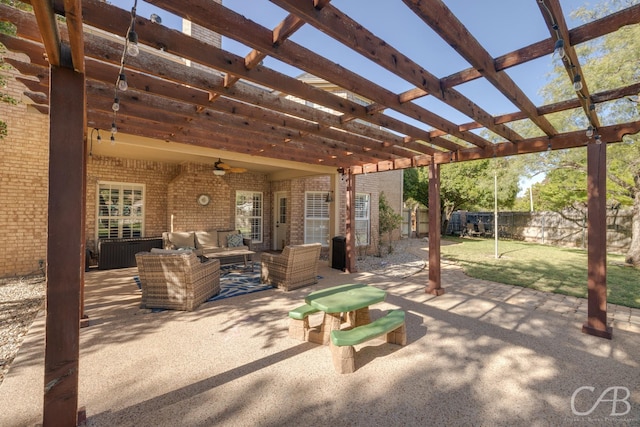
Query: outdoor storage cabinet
x=121, y=253
x=339, y=256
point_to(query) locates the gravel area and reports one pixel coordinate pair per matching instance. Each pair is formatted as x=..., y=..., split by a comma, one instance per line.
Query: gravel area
x=401, y=263
x=22, y=298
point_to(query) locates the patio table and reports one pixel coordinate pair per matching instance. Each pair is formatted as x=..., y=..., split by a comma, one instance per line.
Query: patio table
x=352, y=299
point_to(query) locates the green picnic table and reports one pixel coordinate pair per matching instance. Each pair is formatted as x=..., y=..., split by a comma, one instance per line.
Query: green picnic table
x=353, y=300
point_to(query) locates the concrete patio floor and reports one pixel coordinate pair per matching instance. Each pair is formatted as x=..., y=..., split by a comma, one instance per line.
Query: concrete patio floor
x=483, y=354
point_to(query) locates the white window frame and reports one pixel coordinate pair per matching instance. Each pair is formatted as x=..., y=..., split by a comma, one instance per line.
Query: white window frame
x=363, y=219
x=251, y=225
x=316, y=217
x=121, y=215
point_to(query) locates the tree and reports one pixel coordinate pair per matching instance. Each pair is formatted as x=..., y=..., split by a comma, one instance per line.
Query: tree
x=388, y=220
x=466, y=185
x=607, y=62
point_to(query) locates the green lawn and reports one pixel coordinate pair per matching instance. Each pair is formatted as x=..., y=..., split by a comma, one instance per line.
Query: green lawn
x=541, y=267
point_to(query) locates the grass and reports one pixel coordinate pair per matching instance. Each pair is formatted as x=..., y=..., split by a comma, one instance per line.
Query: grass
x=545, y=268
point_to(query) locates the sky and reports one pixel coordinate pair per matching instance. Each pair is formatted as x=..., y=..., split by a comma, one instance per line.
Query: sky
x=501, y=26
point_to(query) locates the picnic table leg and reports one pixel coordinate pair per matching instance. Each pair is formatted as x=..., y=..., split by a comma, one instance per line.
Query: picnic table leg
x=359, y=317
x=330, y=322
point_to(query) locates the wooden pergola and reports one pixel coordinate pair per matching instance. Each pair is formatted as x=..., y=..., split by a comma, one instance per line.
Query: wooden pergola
x=237, y=104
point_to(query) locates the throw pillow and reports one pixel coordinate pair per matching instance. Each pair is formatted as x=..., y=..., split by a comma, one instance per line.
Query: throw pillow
x=234, y=240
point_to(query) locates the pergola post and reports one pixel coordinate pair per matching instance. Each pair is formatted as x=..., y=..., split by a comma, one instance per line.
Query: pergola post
x=65, y=243
x=350, y=221
x=597, y=242
x=434, y=287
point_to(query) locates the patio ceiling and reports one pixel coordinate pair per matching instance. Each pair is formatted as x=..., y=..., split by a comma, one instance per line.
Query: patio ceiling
x=237, y=105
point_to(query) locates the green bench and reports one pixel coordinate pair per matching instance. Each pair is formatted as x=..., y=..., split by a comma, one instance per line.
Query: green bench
x=342, y=341
x=299, y=322
x=300, y=313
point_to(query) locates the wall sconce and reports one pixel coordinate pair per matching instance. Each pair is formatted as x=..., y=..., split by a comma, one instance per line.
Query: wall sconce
x=329, y=197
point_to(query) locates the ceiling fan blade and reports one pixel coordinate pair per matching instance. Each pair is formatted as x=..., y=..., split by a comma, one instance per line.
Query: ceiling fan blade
x=223, y=166
x=237, y=170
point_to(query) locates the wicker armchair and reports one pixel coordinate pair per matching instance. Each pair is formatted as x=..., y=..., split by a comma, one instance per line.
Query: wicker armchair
x=295, y=267
x=177, y=281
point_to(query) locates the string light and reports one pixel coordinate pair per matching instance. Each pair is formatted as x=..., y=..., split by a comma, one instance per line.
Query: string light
x=577, y=83
x=558, y=50
x=122, y=82
x=131, y=49
x=598, y=139
x=589, y=132
x=132, y=38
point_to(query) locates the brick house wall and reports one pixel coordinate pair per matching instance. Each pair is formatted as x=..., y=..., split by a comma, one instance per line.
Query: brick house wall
x=24, y=181
x=155, y=176
x=171, y=191
x=196, y=179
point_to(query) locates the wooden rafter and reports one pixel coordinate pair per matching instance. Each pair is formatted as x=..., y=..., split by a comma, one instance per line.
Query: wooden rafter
x=342, y=28
x=256, y=121
x=552, y=13
x=438, y=16
x=224, y=21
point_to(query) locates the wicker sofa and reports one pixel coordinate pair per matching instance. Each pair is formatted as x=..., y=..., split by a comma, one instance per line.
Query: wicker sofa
x=208, y=242
x=295, y=267
x=176, y=280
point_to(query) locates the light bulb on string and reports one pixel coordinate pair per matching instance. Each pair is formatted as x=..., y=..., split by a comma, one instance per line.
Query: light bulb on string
x=589, y=132
x=558, y=50
x=116, y=104
x=99, y=138
x=598, y=139
x=122, y=82
x=114, y=128
x=132, y=43
x=577, y=82
x=113, y=139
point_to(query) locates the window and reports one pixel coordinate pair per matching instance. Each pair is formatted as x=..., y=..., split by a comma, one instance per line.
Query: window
x=120, y=210
x=363, y=223
x=316, y=218
x=249, y=215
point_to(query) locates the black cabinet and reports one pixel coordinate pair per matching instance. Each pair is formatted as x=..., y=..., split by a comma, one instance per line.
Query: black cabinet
x=121, y=253
x=339, y=256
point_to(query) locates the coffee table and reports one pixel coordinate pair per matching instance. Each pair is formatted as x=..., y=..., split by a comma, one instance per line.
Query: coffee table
x=237, y=252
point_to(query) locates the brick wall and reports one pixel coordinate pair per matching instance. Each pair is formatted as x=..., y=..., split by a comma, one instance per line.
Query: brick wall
x=196, y=179
x=370, y=184
x=24, y=162
x=154, y=175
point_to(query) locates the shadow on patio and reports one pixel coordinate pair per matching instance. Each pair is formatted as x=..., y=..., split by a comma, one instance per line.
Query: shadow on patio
x=482, y=354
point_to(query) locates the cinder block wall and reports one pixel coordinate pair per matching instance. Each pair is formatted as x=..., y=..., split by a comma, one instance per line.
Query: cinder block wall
x=24, y=180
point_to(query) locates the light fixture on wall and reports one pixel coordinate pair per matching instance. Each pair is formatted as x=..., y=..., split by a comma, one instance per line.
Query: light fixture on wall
x=329, y=197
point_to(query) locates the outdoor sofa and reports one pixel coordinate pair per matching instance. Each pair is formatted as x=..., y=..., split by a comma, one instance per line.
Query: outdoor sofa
x=208, y=242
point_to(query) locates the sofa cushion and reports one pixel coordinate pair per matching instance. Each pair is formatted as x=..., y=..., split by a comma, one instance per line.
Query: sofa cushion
x=182, y=239
x=206, y=239
x=234, y=240
x=223, y=236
